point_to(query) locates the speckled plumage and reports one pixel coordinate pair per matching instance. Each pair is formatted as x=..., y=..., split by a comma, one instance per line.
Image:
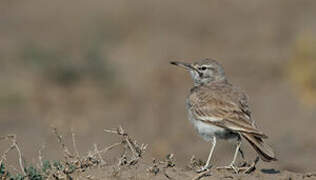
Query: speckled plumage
x=218, y=109
x=225, y=103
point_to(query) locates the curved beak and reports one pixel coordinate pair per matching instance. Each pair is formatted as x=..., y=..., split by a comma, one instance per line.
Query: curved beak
x=186, y=66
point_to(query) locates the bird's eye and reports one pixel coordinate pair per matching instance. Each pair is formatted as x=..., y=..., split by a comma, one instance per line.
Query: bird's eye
x=203, y=68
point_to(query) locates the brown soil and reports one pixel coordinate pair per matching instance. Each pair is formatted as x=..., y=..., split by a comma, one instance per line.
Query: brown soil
x=141, y=171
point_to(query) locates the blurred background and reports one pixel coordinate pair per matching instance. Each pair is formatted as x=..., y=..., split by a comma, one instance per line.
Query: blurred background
x=92, y=65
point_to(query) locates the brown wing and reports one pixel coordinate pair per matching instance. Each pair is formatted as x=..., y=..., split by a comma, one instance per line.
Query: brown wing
x=223, y=109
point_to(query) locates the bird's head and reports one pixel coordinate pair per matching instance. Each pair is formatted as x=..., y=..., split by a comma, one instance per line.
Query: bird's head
x=203, y=71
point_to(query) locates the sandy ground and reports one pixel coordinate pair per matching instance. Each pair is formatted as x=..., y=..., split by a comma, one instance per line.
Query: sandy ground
x=142, y=171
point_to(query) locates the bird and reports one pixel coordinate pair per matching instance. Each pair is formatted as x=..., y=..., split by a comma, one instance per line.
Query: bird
x=219, y=110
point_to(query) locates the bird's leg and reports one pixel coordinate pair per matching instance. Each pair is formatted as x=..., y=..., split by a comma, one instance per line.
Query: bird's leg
x=211, y=152
x=232, y=164
x=207, y=165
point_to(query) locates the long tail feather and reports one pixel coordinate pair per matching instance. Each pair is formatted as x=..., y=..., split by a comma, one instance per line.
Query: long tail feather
x=265, y=151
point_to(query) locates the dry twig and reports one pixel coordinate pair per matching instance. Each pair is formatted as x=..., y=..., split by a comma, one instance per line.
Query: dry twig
x=97, y=152
x=308, y=175
x=106, y=149
x=136, y=150
x=73, y=162
x=169, y=162
x=74, y=144
x=40, y=155
x=202, y=174
x=15, y=146
x=66, y=151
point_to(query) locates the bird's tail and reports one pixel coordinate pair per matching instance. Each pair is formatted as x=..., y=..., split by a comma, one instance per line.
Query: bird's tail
x=265, y=151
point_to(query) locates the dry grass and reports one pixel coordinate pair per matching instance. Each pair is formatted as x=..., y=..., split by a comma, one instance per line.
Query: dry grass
x=73, y=163
x=130, y=164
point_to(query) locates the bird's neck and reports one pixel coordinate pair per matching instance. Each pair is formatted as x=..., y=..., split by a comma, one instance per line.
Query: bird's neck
x=211, y=82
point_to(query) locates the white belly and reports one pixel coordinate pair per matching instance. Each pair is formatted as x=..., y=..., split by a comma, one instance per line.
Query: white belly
x=207, y=131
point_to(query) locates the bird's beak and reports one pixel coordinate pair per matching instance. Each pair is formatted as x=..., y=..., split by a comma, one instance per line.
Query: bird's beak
x=186, y=66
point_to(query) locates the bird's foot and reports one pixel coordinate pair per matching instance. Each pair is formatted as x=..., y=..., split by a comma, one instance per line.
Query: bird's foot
x=204, y=168
x=230, y=167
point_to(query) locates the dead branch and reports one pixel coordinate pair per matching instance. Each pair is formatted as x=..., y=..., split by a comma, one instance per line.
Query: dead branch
x=97, y=152
x=308, y=175
x=137, y=150
x=202, y=174
x=110, y=147
x=74, y=162
x=14, y=145
x=120, y=131
x=4, y=155
x=66, y=151
x=40, y=155
x=74, y=144
x=20, y=156
x=163, y=166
